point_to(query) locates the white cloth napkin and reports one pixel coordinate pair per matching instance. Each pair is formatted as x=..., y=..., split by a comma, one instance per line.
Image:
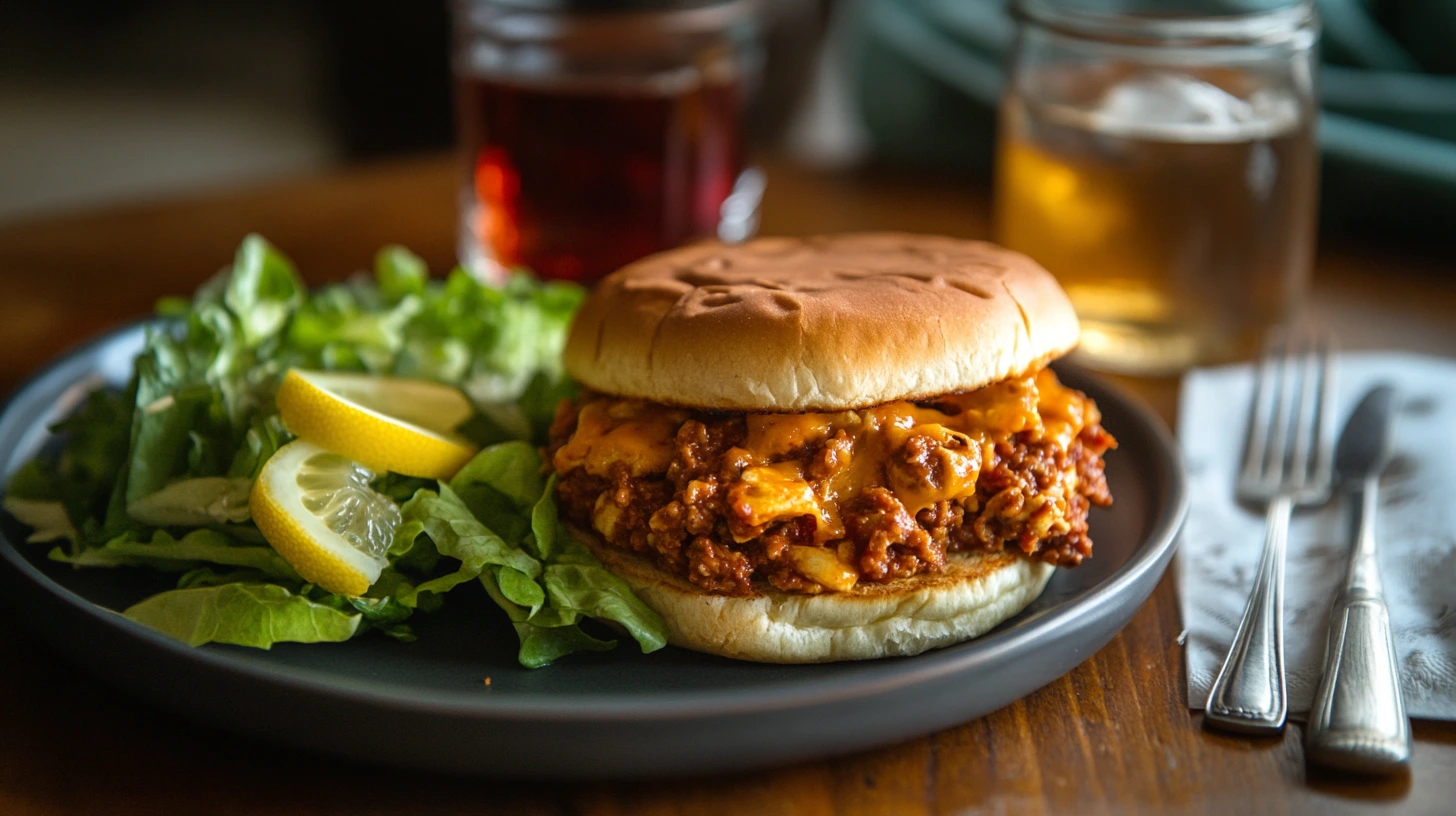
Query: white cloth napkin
x=1415, y=531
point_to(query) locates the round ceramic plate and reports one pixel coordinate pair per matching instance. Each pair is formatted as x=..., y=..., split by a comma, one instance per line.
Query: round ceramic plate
x=428, y=704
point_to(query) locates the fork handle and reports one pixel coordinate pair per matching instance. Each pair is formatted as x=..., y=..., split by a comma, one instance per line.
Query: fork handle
x=1249, y=694
x=1358, y=720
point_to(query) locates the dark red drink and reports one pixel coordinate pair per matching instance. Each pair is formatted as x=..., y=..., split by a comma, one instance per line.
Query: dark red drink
x=575, y=180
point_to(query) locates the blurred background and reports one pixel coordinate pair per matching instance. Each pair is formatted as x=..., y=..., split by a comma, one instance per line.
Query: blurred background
x=105, y=101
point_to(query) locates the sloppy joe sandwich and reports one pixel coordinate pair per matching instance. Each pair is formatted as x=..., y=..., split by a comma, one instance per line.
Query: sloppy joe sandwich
x=831, y=448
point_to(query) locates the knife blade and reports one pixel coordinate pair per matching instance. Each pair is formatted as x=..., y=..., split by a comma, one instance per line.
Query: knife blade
x=1358, y=721
x=1365, y=445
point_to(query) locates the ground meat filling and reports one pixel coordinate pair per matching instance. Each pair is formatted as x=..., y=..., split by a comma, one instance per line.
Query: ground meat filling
x=701, y=516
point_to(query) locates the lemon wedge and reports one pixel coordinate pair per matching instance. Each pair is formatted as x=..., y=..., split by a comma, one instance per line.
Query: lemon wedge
x=317, y=510
x=383, y=423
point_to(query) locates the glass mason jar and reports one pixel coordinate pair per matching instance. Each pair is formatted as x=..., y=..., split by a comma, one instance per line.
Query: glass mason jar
x=594, y=132
x=1164, y=168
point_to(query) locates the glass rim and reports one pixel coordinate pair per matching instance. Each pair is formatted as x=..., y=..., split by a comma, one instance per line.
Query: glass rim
x=526, y=24
x=1255, y=27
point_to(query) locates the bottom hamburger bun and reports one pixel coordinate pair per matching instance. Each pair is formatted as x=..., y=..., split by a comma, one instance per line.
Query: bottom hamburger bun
x=974, y=593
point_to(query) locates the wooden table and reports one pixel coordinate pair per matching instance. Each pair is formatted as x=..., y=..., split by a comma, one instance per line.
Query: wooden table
x=1113, y=736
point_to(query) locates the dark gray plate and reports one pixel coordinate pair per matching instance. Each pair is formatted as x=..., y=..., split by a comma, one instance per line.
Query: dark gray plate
x=425, y=704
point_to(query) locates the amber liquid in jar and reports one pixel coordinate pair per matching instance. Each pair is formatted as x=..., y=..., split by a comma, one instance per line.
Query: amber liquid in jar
x=574, y=181
x=1177, y=210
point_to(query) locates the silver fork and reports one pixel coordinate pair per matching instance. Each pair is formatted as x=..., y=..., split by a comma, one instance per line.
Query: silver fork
x=1287, y=464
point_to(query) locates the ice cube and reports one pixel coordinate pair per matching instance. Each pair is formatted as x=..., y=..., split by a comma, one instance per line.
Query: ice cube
x=1174, y=99
x=1163, y=104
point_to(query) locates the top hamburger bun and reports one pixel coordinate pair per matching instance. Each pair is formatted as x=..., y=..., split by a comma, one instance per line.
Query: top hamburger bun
x=823, y=323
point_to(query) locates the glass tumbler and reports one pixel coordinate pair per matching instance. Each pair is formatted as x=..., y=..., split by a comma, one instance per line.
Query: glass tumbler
x=1164, y=167
x=594, y=132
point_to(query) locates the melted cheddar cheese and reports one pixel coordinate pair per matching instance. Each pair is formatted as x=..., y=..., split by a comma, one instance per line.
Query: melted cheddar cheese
x=637, y=433
x=765, y=494
x=923, y=453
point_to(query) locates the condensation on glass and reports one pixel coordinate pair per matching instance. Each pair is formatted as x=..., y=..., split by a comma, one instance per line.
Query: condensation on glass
x=1165, y=169
x=594, y=133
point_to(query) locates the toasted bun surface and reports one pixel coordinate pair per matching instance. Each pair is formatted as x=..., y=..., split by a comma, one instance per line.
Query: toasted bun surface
x=974, y=593
x=824, y=323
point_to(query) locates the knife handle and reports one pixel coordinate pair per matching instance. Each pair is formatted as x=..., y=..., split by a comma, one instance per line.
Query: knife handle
x=1358, y=720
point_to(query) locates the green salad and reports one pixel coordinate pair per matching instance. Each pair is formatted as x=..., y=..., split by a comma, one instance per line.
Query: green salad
x=157, y=476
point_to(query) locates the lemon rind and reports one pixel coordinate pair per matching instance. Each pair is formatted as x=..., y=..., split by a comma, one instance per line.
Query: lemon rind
x=355, y=431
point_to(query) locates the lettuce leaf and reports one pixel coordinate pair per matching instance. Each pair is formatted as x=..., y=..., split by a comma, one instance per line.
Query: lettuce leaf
x=34, y=481
x=502, y=489
x=243, y=614
x=86, y=474
x=263, y=438
x=195, y=502
x=263, y=291
x=165, y=414
x=500, y=486
x=458, y=534
x=168, y=554
x=577, y=582
x=47, y=519
x=400, y=274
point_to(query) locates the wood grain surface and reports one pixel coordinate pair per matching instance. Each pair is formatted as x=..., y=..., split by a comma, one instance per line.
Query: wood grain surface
x=1113, y=736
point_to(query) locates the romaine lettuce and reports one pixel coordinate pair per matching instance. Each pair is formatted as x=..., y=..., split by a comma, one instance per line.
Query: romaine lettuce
x=243, y=614
x=157, y=475
x=564, y=582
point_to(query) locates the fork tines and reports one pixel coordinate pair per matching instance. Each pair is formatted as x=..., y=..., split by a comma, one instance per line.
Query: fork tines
x=1294, y=397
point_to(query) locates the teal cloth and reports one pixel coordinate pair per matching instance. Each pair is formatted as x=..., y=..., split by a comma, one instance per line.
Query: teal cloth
x=927, y=75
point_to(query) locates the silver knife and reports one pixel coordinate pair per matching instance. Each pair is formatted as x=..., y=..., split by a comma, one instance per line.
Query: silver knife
x=1358, y=721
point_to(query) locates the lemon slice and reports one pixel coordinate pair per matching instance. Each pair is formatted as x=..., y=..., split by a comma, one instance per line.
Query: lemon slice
x=383, y=423
x=317, y=510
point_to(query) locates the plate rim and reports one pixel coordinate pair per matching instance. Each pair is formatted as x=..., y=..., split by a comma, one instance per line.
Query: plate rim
x=874, y=678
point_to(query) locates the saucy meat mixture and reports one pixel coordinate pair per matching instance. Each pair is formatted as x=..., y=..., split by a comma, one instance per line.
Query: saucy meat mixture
x=817, y=502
